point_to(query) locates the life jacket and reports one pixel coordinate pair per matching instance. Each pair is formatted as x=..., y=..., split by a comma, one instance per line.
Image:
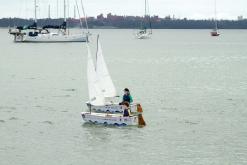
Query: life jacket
x=126, y=113
x=127, y=98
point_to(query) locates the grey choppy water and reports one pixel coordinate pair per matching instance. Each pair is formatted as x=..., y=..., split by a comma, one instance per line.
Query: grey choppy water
x=193, y=89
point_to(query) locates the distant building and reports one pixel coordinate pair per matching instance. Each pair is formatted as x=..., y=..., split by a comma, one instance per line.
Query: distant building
x=111, y=17
x=100, y=17
x=90, y=18
x=240, y=18
x=168, y=17
x=155, y=19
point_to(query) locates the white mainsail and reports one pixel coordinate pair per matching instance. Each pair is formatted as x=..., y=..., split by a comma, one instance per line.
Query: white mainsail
x=107, y=87
x=96, y=97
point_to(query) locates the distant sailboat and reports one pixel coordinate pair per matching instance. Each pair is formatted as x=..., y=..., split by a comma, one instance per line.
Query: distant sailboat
x=215, y=31
x=101, y=89
x=34, y=34
x=144, y=33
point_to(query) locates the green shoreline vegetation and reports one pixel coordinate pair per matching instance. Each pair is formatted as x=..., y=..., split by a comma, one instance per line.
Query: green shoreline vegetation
x=131, y=22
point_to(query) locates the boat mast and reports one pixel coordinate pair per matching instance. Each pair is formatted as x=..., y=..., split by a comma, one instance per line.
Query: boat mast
x=64, y=10
x=215, y=15
x=49, y=11
x=74, y=12
x=145, y=15
x=57, y=8
x=78, y=13
x=149, y=18
x=145, y=8
x=35, y=11
x=85, y=17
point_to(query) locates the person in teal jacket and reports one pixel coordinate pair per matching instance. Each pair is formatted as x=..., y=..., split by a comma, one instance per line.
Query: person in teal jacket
x=127, y=97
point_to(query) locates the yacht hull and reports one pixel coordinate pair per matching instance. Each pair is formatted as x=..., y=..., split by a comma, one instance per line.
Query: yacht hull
x=51, y=38
x=143, y=36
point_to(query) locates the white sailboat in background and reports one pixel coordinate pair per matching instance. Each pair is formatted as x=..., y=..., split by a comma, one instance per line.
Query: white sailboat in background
x=34, y=34
x=144, y=32
x=101, y=94
x=215, y=31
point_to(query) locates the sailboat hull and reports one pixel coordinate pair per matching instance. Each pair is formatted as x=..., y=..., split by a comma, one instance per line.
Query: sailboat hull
x=143, y=35
x=109, y=119
x=215, y=34
x=51, y=38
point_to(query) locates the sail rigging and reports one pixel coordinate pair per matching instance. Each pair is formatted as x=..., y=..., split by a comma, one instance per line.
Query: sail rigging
x=143, y=32
x=85, y=16
x=147, y=19
x=61, y=26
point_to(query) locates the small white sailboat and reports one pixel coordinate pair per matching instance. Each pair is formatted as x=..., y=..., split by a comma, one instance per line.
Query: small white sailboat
x=34, y=34
x=105, y=85
x=144, y=32
x=215, y=31
x=101, y=92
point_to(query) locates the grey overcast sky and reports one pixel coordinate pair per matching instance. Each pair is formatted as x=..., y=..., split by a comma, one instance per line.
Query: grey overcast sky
x=195, y=9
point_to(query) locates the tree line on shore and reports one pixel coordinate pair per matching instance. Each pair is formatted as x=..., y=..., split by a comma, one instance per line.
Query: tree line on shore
x=130, y=22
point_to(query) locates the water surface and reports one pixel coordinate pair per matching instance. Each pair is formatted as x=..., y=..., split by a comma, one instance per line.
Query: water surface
x=193, y=89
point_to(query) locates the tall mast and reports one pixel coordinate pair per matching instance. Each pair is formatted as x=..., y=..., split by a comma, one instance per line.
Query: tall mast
x=85, y=17
x=68, y=9
x=49, y=11
x=57, y=8
x=145, y=8
x=215, y=14
x=74, y=12
x=35, y=11
x=78, y=13
x=64, y=8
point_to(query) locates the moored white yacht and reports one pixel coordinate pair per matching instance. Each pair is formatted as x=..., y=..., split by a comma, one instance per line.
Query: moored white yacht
x=34, y=34
x=145, y=31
